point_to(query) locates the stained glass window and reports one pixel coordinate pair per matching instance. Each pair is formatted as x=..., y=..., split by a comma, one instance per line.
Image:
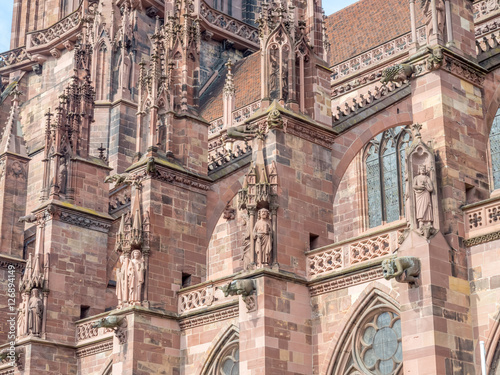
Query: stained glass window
x=385, y=175
x=495, y=150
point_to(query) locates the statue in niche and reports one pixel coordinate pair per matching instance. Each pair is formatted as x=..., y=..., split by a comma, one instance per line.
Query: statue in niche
x=62, y=176
x=21, y=317
x=35, y=313
x=135, y=277
x=247, y=257
x=440, y=14
x=263, y=236
x=121, y=282
x=274, y=79
x=423, y=188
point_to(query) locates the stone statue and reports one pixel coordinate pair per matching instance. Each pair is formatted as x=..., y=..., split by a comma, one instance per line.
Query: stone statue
x=135, y=277
x=21, y=318
x=247, y=257
x=423, y=188
x=263, y=236
x=403, y=269
x=121, y=281
x=35, y=313
x=440, y=14
x=62, y=176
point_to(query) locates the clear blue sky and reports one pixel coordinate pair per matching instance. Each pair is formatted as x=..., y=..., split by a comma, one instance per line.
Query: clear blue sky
x=330, y=6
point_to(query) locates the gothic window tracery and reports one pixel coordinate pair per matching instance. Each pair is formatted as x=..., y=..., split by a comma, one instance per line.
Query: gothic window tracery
x=373, y=344
x=225, y=359
x=385, y=175
x=495, y=151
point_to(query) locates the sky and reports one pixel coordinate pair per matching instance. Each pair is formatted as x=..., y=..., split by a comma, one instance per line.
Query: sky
x=330, y=6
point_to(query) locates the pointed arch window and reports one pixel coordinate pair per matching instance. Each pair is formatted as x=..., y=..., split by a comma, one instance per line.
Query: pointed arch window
x=385, y=175
x=226, y=356
x=495, y=151
x=373, y=343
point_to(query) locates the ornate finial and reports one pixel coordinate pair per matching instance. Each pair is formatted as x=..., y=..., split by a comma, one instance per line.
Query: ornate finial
x=416, y=130
x=229, y=88
x=16, y=93
x=101, y=152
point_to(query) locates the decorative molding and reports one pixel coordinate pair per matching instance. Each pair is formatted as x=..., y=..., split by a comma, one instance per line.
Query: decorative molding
x=84, y=221
x=463, y=70
x=209, y=318
x=69, y=216
x=482, y=239
x=485, y=8
x=167, y=175
x=346, y=281
x=19, y=264
x=94, y=349
x=365, y=101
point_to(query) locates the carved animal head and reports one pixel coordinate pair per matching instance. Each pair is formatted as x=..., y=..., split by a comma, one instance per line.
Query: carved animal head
x=112, y=321
x=388, y=268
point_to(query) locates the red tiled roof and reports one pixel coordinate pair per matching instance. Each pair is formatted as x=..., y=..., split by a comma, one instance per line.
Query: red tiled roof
x=246, y=77
x=365, y=25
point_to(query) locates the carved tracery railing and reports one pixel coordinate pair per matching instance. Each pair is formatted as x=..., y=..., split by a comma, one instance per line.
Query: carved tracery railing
x=349, y=253
x=14, y=56
x=482, y=221
x=376, y=55
x=205, y=295
x=229, y=25
x=85, y=331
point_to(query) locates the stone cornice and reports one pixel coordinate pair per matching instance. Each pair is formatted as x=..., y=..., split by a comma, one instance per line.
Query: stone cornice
x=328, y=285
x=488, y=237
x=73, y=215
x=6, y=260
x=168, y=172
x=211, y=317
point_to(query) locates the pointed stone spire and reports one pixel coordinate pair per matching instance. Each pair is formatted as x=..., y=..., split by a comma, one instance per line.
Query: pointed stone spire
x=12, y=140
x=120, y=235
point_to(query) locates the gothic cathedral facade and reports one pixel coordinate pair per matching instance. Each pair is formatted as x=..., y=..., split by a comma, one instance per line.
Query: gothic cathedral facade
x=222, y=187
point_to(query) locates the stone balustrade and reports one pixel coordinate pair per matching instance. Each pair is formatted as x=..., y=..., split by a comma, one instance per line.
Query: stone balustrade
x=85, y=332
x=482, y=221
x=377, y=55
x=350, y=253
x=13, y=57
x=227, y=25
x=203, y=296
x=63, y=33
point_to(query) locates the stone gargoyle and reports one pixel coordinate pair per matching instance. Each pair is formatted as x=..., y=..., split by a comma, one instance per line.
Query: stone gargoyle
x=403, y=269
x=117, y=323
x=112, y=321
x=117, y=179
x=244, y=287
x=398, y=73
